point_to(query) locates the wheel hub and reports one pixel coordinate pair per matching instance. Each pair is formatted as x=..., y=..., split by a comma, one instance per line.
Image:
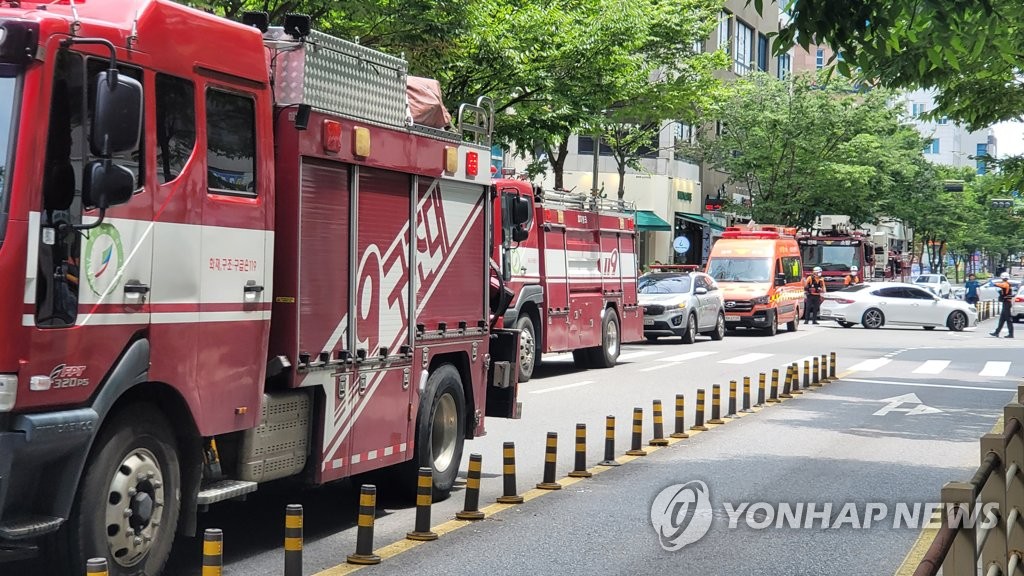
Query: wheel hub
x=443, y=432
x=611, y=339
x=133, y=505
x=526, y=350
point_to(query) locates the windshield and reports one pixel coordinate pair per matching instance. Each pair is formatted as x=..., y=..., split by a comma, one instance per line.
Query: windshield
x=741, y=269
x=829, y=258
x=927, y=279
x=664, y=284
x=7, y=93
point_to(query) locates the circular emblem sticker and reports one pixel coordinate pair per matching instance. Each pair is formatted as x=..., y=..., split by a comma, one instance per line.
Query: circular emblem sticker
x=104, y=257
x=681, y=244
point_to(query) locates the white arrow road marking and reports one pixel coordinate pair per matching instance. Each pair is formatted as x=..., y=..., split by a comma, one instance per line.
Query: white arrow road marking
x=895, y=402
x=932, y=367
x=997, y=369
x=563, y=387
x=746, y=358
x=870, y=365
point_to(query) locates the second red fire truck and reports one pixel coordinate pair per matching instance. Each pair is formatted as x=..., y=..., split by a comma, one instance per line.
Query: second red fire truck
x=573, y=275
x=229, y=256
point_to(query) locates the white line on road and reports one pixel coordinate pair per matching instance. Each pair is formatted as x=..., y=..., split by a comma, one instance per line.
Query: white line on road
x=563, y=387
x=639, y=354
x=746, y=358
x=932, y=367
x=869, y=365
x=922, y=385
x=686, y=356
x=997, y=369
x=660, y=366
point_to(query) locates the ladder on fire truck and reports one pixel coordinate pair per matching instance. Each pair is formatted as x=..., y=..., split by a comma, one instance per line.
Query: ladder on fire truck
x=568, y=200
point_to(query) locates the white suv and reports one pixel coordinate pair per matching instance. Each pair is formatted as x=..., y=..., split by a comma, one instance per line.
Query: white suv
x=936, y=283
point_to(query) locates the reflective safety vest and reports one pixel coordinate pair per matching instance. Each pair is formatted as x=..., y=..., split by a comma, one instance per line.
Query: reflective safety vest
x=1006, y=291
x=815, y=285
x=851, y=279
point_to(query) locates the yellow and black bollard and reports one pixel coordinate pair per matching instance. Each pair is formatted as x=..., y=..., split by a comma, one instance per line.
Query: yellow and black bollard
x=716, y=405
x=659, y=427
x=471, y=510
x=293, y=540
x=815, y=372
x=364, y=531
x=609, y=443
x=636, y=441
x=796, y=382
x=680, y=424
x=773, y=392
x=213, y=552
x=832, y=366
x=807, y=373
x=424, y=500
x=761, y=379
x=508, y=472
x=550, y=462
x=787, y=384
x=96, y=567
x=580, y=470
x=698, y=423
x=732, y=400
x=746, y=394
x=824, y=369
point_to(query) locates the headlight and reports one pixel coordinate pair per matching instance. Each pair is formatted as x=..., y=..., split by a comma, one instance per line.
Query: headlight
x=681, y=305
x=8, y=391
x=761, y=300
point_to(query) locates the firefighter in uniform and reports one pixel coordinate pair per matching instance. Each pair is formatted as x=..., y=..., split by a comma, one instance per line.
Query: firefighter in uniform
x=814, y=287
x=1006, y=298
x=853, y=277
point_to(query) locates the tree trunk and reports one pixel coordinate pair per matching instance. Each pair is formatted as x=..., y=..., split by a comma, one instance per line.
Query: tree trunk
x=622, y=179
x=557, y=162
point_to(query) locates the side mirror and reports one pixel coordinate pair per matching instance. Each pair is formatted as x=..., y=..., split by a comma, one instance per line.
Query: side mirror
x=780, y=279
x=117, y=114
x=521, y=212
x=106, y=184
x=520, y=233
x=700, y=291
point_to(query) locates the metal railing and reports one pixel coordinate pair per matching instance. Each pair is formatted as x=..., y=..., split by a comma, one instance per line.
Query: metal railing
x=980, y=528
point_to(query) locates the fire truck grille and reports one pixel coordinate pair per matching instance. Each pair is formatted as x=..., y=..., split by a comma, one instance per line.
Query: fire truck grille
x=654, y=310
x=738, y=306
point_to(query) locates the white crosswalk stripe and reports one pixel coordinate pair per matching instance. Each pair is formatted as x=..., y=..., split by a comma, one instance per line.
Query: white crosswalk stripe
x=639, y=354
x=997, y=369
x=870, y=365
x=746, y=358
x=932, y=367
x=687, y=356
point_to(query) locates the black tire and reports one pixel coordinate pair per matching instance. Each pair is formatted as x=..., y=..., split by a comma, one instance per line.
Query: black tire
x=443, y=405
x=773, y=326
x=529, y=352
x=872, y=319
x=606, y=355
x=135, y=450
x=652, y=339
x=929, y=327
x=794, y=324
x=581, y=358
x=690, y=335
x=957, y=321
x=719, y=331
x=846, y=324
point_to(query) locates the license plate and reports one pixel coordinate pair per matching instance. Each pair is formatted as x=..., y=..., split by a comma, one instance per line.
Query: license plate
x=648, y=321
x=732, y=318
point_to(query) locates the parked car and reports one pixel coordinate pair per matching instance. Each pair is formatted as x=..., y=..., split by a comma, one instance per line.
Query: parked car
x=936, y=283
x=989, y=291
x=1017, y=309
x=681, y=302
x=876, y=304
x=959, y=292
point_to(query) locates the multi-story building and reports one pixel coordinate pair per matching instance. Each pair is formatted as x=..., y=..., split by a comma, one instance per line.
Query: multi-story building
x=950, y=144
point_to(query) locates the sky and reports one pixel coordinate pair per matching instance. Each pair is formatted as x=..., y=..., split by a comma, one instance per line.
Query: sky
x=1009, y=138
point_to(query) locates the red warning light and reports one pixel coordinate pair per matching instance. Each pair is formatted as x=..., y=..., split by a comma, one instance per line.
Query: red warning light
x=472, y=163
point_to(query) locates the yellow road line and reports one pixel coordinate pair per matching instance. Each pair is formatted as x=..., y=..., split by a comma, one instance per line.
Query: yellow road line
x=396, y=548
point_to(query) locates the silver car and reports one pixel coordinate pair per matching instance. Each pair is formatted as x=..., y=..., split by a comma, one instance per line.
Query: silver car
x=681, y=303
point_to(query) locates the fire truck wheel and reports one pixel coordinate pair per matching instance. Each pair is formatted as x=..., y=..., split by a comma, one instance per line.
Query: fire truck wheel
x=528, y=353
x=128, y=502
x=607, y=354
x=440, y=429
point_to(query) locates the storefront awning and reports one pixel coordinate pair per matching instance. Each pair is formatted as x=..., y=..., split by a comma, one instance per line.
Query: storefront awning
x=697, y=218
x=647, y=221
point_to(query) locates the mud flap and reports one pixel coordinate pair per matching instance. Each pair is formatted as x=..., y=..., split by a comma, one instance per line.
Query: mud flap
x=503, y=375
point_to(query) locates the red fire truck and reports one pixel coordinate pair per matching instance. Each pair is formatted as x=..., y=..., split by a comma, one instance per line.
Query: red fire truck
x=573, y=275
x=836, y=251
x=228, y=257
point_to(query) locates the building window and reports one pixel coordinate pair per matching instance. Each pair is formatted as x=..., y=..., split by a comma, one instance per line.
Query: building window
x=698, y=47
x=785, y=65
x=917, y=109
x=943, y=121
x=684, y=133
x=744, y=48
x=932, y=147
x=230, y=143
x=724, y=32
x=819, y=59
x=981, y=150
x=585, y=146
x=762, y=52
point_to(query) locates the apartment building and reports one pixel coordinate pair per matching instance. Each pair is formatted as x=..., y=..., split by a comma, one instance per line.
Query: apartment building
x=950, y=143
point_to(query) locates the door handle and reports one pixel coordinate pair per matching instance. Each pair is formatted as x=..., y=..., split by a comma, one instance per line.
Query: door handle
x=136, y=289
x=252, y=288
x=251, y=291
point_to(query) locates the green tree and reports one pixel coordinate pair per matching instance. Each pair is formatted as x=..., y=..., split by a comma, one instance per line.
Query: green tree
x=804, y=147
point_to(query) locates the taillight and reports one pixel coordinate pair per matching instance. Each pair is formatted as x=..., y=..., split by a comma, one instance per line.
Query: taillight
x=841, y=300
x=1019, y=299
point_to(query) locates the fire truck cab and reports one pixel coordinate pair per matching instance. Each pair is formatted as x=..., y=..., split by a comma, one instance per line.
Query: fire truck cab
x=837, y=251
x=573, y=275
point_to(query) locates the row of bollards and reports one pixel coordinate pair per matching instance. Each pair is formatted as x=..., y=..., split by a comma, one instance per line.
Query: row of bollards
x=816, y=372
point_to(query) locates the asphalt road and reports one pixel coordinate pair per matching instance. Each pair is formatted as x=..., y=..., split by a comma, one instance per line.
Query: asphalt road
x=829, y=445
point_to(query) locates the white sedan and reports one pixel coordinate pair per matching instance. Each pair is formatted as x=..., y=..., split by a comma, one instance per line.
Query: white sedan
x=876, y=304
x=1017, y=308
